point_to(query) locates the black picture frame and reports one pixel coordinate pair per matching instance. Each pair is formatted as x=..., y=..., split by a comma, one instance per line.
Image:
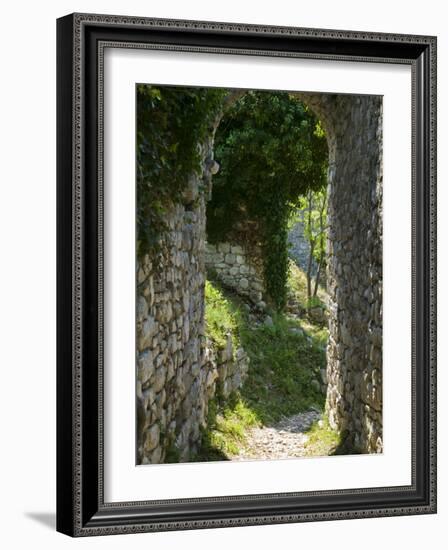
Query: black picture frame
x=81, y=510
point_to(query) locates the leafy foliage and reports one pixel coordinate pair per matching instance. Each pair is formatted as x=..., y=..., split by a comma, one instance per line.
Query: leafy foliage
x=171, y=122
x=271, y=149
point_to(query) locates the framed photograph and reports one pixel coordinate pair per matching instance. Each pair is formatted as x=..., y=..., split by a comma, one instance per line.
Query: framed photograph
x=246, y=274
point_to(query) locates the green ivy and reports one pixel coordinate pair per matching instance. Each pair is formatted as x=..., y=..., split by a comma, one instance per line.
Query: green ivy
x=171, y=122
x=271, y=149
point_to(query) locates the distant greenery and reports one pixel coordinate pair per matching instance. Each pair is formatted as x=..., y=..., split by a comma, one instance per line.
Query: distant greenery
x=170, y=123
x=313, y=207
x=272, y=149
x=298, y=289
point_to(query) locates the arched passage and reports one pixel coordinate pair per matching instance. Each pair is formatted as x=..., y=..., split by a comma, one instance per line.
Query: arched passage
x=170, y=314
x=354, y=272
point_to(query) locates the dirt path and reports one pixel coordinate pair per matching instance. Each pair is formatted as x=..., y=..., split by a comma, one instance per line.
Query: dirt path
x=286, y=439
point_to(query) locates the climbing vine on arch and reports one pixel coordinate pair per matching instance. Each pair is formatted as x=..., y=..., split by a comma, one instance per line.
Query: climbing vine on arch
x=171, y=123
x=271, y=149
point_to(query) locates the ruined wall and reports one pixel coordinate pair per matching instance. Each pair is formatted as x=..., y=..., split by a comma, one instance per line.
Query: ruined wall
x=178, y=371
x=238, y=269
x=173, y=373
x=231, y=366
x=354, y=273
x=354, y=266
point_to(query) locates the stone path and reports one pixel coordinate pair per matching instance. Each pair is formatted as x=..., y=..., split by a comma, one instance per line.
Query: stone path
x=286, y=439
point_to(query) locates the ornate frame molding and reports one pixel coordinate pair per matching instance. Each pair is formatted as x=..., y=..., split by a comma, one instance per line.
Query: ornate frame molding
x=81, y=42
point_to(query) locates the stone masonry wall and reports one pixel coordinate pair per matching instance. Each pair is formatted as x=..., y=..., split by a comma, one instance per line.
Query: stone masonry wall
x=172, y=370
x=354, y=273
x=178, y=370
x=230, y=367
x=238, y=269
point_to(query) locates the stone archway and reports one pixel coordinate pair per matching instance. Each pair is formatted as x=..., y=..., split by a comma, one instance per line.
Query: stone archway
x=354, y=273
x=175, y=372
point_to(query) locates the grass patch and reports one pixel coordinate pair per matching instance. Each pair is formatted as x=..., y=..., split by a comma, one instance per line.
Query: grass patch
x=297, y=288
x=222, y=316
x=322, y=440
x=319, y=334
x=297, y=283
x=226, y=429
x=285, y=357
x=283, y=362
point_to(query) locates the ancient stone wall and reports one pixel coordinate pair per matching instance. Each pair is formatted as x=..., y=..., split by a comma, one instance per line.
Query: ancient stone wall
x=231, y=367
x=238, y=269
x=354, y=273
x=178, y=371
x=172, y=370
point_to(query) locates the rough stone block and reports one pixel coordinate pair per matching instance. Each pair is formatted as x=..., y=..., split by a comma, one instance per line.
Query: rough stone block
x=159, y=378
x=152, y=438
x=146, y=367
x=147, y=331
x=243, y=283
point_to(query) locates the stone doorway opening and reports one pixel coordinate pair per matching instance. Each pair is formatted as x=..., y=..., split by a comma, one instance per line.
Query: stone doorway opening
x=177, y=372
